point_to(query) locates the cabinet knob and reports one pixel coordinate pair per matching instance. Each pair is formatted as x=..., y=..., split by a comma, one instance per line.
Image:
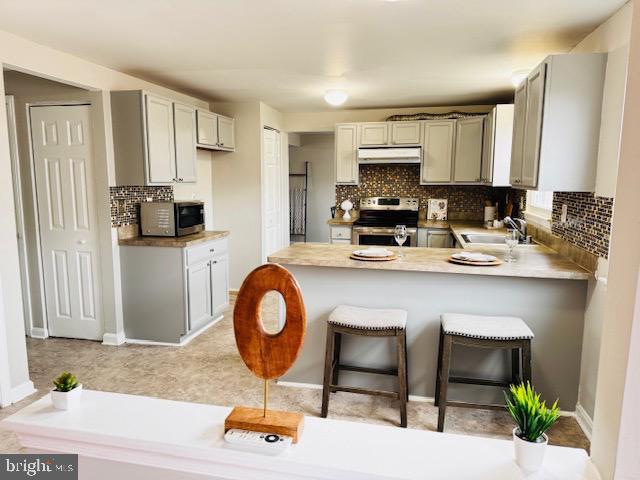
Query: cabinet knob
x=212, y=250
x=214, y=262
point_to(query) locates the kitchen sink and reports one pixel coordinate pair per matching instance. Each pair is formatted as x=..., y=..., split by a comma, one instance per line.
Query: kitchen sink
x=483, y=238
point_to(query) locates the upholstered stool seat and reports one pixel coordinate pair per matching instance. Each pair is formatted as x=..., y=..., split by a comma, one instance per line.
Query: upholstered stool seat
x=368, y=318
x=368, y=322
x=480, y=331
x=486, y=327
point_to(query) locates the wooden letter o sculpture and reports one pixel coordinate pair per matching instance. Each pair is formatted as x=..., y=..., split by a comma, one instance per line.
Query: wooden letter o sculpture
x=268, y=355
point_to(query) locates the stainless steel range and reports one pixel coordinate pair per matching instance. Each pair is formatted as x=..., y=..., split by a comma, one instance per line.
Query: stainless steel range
x=380, y=215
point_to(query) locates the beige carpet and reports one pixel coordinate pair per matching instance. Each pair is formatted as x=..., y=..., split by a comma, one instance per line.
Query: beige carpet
x=209, y=370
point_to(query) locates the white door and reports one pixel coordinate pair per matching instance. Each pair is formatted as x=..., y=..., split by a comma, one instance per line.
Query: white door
x=374, y=133
x=199, y=293
x=207, y=128
x=405, y=133
x=346, y=153
x=519, y=118
x=184, y=120
x=64, y=170
x=226, y=132
x=161, y=155
x=533, y=126
x=272, y=193
x=468, y=153
x=437, y=155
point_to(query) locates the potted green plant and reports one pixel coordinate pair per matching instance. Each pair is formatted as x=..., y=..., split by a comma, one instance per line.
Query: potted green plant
x=67, y=392
x=533, y=419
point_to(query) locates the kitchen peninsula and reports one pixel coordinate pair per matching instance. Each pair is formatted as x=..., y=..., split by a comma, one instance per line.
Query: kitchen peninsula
x=544, y=289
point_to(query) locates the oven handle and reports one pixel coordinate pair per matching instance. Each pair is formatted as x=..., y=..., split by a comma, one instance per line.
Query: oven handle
x=381, y=230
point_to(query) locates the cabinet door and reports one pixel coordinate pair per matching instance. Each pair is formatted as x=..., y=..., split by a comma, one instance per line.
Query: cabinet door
x=519, y=118
x=207, y=128
x=405, y=133
x=199, y=294
x=468, y=154
x=346, y=145
x=438, y=239
x=220, y=284
x=486, y=172
x=226, y=133
x=374, y=133
x=533, y=126
x=161, y=160
x=184, y=120
x=437, y=155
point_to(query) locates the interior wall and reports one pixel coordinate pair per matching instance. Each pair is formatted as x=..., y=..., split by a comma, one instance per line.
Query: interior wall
x=610, y=435
x=30, y=57
x=318, y=150
x=612, y=37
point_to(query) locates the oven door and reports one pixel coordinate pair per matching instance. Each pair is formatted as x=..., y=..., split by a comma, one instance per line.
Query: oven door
x=189, y=217
x=382, y=236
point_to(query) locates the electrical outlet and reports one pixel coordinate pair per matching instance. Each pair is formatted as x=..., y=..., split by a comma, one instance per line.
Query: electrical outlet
x=563, y=215
x=120, y=206
x=149, y=199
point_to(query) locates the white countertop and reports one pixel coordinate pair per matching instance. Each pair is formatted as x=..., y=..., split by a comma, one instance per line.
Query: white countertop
x=187, y=437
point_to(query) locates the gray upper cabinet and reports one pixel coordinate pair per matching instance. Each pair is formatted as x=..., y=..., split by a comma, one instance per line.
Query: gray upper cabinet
x=557, y=124
x=374, y=134
x=160, y=159
x=496, y=146
x=346, y=153
x=468, y=150
x=437, y=154
x=207, y=128
x=184, y=120
x=226, y=133
x=405, y=133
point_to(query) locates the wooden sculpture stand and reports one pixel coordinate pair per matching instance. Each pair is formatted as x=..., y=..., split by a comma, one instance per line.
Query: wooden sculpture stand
x=267, y=355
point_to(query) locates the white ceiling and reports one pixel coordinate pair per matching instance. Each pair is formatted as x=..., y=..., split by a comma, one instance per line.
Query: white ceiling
x=288, y=52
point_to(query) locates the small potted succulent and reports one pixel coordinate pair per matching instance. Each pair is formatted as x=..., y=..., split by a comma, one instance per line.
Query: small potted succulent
x=533, y=419
x=67, y=392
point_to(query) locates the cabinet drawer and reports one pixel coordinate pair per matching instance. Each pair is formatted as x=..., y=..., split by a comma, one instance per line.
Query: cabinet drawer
x=341, y=233
x=341, y=241
x=203, y=251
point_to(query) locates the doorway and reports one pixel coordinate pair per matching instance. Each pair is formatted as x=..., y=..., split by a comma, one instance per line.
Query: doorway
x=53, y=167
x=272, y=196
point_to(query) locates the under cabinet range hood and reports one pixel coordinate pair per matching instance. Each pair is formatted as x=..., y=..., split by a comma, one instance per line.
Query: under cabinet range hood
x=389, y=155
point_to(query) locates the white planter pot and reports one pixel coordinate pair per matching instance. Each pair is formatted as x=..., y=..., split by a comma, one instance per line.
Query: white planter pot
x=529, y=455
x=67, y=400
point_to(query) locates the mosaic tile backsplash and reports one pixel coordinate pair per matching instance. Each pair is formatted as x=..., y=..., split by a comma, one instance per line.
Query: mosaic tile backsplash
x=125, y=202
x=465, y=202
x=588, y=220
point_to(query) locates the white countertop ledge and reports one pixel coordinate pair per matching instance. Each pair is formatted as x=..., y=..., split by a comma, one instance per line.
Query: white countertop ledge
x=186, y=438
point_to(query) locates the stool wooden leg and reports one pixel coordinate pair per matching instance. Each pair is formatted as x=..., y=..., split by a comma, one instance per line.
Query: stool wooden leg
x=444, y=380
x=406, y=370
x=516, y=373
x=437, y=394
x=328, y=360
x=337, y=344
x=402, y=377
x=526, y=361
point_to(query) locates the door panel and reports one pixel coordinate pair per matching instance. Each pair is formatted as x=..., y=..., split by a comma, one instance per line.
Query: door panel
x=346, y=154
x=199, y=287
x=207, y=128
x=533, y=126
x=488, y=147
x=405, y=133
x=184, y=118
x=519, y=118
x=374, y=133
x=220, y=284
x=63, y=165
x=437, y=156
x=272, y=192
x=468, y=154
x=226, y=132
x=161, y=160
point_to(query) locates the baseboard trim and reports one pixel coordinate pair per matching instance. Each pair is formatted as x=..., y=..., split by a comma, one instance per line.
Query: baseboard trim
x=22, y=391
x=584, y=420
x=37, y=332
x=113, y=339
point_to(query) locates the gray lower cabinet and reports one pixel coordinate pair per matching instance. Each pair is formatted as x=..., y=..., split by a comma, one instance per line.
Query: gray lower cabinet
x=435, y=238
x=169, y=293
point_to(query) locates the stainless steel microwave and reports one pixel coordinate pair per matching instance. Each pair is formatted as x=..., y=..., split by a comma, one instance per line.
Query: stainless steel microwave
x=171, y=219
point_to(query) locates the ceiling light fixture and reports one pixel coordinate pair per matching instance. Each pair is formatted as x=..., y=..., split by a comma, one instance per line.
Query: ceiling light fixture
x=518, y=77
x=335, y=97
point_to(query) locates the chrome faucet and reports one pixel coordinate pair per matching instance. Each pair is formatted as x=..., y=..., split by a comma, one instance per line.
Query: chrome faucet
x=520, y=226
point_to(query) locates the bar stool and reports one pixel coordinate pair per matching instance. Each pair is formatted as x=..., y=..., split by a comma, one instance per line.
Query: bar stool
x=369, y=323
x=483, y=332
